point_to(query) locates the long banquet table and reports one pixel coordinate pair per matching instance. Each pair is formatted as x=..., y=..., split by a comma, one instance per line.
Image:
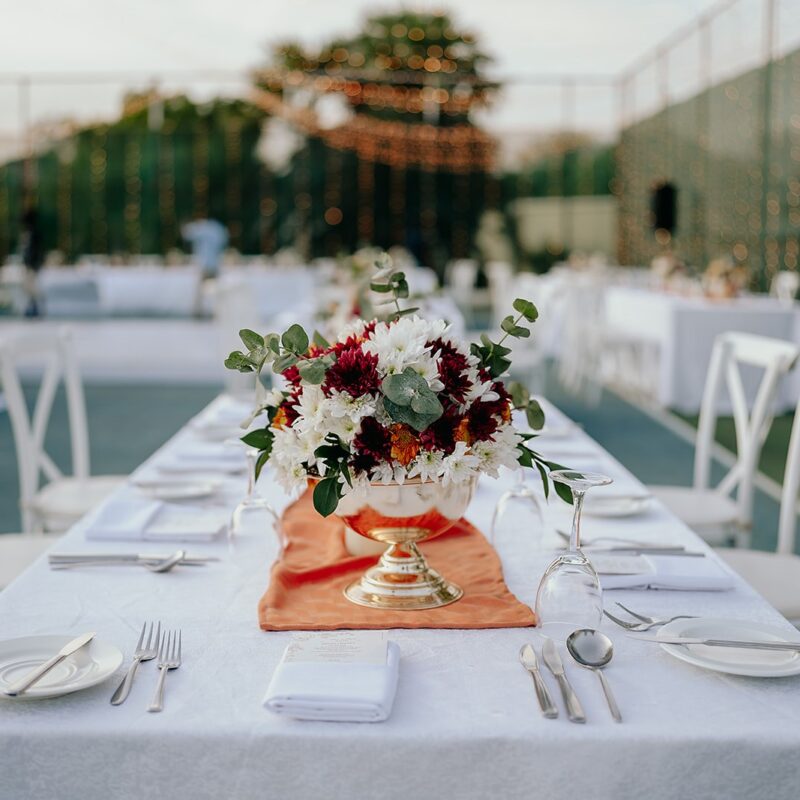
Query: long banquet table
x=465, y=721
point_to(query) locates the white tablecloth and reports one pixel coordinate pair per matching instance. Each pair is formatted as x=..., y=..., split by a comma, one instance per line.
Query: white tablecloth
x=465, y=722
x=683, y=330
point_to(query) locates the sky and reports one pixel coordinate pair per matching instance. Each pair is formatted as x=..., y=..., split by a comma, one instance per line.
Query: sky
x=151, y=37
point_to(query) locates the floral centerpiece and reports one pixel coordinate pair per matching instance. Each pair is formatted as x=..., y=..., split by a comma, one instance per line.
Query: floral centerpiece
x=391, y=402
x=723, y=279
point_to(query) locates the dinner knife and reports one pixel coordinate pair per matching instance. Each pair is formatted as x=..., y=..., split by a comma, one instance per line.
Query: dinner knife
x=781, y=646
x=37, y=674
x=551, y=657
x=527, y=655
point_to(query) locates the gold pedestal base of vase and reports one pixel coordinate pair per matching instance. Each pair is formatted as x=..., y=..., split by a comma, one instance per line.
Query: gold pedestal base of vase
x=402, y=580
x=401, y=516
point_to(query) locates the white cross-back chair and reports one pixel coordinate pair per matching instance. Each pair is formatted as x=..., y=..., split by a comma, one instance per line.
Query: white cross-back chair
x=49, y=500
x=713, y=512
x=777, y=575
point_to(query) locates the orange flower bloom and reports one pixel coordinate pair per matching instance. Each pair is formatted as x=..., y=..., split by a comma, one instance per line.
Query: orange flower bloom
x=462, y=433
x=405, y=444
x=280, y=419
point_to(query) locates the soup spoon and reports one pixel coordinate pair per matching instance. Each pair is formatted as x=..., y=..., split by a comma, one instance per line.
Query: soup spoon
x=593, y=650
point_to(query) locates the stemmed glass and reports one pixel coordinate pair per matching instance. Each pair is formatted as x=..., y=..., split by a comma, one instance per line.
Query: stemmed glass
x=569, y=592
x=518, y=509
x=253, y=511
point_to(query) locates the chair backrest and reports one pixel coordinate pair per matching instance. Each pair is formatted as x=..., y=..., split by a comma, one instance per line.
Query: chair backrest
x=56, y=354
x=731, y=351
x=791, y=485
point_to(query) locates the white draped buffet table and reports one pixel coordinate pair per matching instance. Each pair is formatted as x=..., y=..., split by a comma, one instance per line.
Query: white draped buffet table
x=683, y=329
x=465, y=722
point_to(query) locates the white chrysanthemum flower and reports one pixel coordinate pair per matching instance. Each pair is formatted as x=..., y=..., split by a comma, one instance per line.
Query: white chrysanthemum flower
x=310, y=407
x=480, y=391
x=288, y=459
x=459, y=466
x=355, y=328
x=343, y=404
x=439, y=329
x=427, y=465
x=346, y=428
x=388, y=473
x=501, y=451
x=399, y=345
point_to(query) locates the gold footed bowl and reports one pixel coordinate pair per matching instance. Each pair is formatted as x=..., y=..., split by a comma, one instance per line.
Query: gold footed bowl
x=401, y=516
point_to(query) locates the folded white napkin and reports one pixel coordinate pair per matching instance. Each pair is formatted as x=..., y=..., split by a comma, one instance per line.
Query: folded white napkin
x=177, y=465
x=335, y=690
x=666, y=572
x=209, y=451
x=138, y=519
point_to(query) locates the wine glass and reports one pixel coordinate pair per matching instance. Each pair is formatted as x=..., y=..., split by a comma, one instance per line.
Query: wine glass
x=254, y=513
x=517, y=510
x=569, y=592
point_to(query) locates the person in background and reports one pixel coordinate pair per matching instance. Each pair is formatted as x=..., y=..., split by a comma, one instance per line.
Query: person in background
x=32, y=248
x=208, y=239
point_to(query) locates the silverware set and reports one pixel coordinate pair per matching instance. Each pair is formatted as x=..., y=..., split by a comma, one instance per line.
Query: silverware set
x=153, y=562
x=633, y=547
x=589, y=649
x=152, y=644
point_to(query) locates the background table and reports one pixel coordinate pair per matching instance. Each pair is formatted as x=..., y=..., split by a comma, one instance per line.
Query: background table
x=465, y=722
x=683, y=330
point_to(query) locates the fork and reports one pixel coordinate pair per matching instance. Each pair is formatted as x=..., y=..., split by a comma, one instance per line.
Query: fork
x=639, y=627
x=169, y=657
x=143, y=652
x=655, y=620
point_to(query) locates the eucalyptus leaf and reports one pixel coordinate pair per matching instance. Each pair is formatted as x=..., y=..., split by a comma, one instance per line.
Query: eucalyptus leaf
x=535, y=415
x=406, y=415
x=520, y=396
x=282, y=363
x=273, y=342
x=402, y=387
x=312, y=370
x=526, y=308
x=239, y=361
x=381, y=288
x=251, y=339
x=427, y=403
x=295, y=339
x=320, y=341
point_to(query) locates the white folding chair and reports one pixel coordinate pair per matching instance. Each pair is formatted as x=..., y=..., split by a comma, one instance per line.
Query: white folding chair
x=777, y=575
x=62, y=500
x=712, y=512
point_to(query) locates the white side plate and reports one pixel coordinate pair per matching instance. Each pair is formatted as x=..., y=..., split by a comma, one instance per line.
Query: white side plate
x=87, y=667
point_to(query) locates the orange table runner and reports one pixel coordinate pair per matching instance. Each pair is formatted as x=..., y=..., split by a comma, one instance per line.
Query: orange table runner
x=306, y=585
